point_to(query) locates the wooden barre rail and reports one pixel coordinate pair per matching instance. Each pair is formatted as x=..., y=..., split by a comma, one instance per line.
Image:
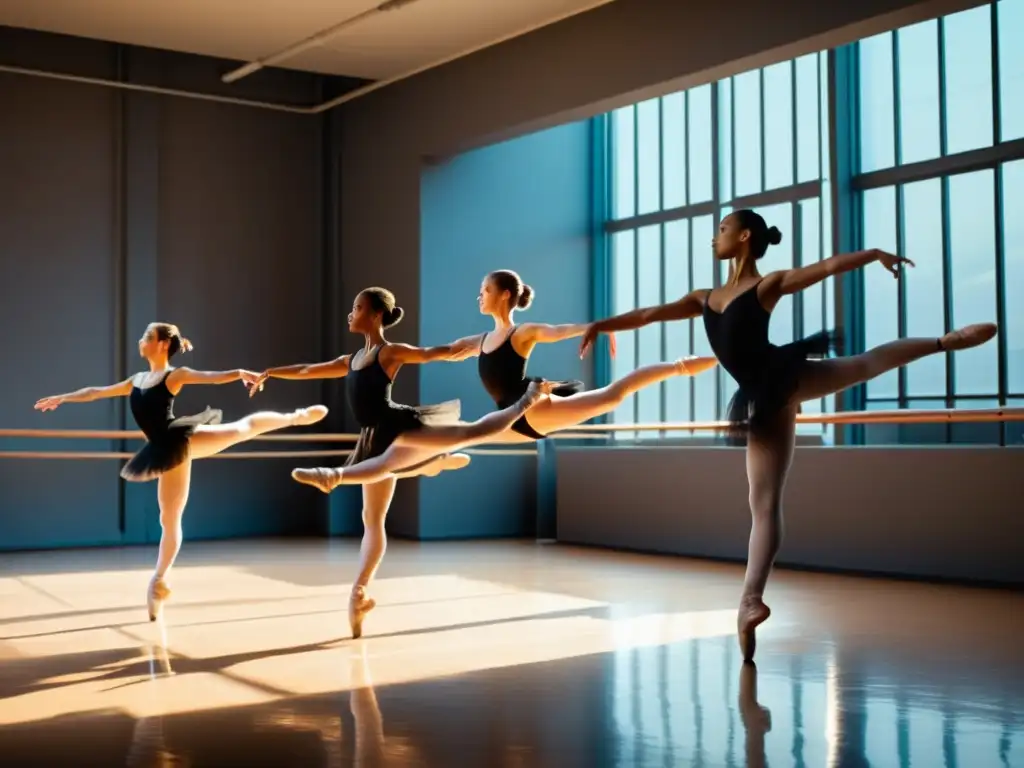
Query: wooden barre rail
x=236, y=454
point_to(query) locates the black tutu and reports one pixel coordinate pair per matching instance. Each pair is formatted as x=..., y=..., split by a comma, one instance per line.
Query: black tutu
x=754, y=410
x=167, y=449
x=562, y=389
x=373, y=441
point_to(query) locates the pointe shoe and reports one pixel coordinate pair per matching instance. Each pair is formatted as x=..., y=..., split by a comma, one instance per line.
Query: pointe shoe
x=752, y=613
x=306, y=416
x=358, y=606
x=968, y=336
x=446, y=463
x=692, y=364
x=323, y=479
x=156, y=596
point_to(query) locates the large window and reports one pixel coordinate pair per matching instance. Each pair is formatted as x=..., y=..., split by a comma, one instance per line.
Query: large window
x=932, y=150
x=678, y=165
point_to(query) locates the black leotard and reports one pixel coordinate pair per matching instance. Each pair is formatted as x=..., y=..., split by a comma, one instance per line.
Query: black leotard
x=381, y=420
x=767, y=374
x=167, y=437
x=503, y=373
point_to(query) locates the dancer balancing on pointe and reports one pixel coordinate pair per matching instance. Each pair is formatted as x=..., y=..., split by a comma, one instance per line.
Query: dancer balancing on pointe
x=172, y=443
x=504, y=354
x=394, y=440
x=774, y=380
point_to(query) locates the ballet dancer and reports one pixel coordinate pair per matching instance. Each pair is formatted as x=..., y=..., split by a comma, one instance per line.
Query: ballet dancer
x=394, y=440
x=774, y=380
x=504, y=354
x=172, y=443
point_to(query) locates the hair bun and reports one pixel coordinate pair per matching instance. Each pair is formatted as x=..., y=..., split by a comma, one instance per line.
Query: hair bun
x=185, y=344
x=525, y=298
x=774, y=236
x=394, y=316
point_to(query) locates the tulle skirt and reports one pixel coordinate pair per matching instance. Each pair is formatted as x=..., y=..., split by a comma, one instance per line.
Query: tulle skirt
x=167, y=449
x=373, y=441
x=755, y=410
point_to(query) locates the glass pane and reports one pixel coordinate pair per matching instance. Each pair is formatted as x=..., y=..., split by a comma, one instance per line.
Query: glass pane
x=924, y=434
x=823, y=121
x=623, y=164
x=877, y=134
x=1013, y=243
x=972, y=247
x=705, y=398
x=723, y=266
x=881, y=434
x=810, y=253
x=624, y=300
x=698, y=105
x=725, y=139
x=968, y=47
x=881, y=292
x=648, y=156
x=778, y=125
x=922, y=227
x=1010, y=14
x=746, y=90
x=919, y=91
x=1015, y=429
x=976, y=432
x=808, y=130
x=649, y=337
x=677, y=335
x=780, y=257
x=673, y=149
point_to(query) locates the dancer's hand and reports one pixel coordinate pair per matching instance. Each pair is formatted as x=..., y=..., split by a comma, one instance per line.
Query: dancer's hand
x=254, y=381
x=590, y=337
x=49, y=403
x=892, y=262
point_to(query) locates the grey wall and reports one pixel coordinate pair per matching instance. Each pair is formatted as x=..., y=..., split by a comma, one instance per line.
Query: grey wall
x=117, y=209
x=523, y=205
x=624, y=51
x=923, y=512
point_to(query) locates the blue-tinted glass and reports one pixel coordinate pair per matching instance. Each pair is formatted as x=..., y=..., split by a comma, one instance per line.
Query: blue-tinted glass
x=1014, y=430
x=703, y=228
x=780, y=257
x=746, y=91
x=925, y=434
x=778, y=125
x=814, y=297
x=1010, y=14
x=725, y=139
x=623, y=164
x=701, y=162
x=972, y=247
x=968, y=47
x=808, y=107
x=823, y=141
x=881, y=294
x=723, y=266
x=829, y=286
x=673, y=149
x=977, y=432
x=624, y=300
x=1013, y=282
x=648, y=154
x=882, y=434
x=922, y=228
x=677, y=335
x=919, y=91
x=649, y=337
x=877, y=134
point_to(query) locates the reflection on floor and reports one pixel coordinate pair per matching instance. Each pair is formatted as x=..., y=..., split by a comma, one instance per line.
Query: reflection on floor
x=495, y=654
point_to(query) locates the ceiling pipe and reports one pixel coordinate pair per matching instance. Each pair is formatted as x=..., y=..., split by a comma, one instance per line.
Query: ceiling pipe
x=277, y=107
x=313, y=40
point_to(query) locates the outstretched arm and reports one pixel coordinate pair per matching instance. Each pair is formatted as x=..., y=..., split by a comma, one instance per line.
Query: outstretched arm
x=179, y=377
x=543, y=333
x=789, y=281
x=461, y=349
x=85, y=395
x=691, y=305
x=332, y=369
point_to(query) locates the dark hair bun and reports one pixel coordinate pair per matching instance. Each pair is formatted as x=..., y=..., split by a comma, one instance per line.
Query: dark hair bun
x=774, y=236
x=393, y=317
x=525, y=298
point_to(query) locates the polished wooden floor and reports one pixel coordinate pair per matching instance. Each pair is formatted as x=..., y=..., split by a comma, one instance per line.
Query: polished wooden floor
x=495, y=654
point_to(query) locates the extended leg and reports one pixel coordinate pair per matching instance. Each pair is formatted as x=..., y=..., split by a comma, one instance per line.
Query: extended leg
x=769, y=455
x=557, y=413
x=212, y=439
x=172, y=495
x=376, y=501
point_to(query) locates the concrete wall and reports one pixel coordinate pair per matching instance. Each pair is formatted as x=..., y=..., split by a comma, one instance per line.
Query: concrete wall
x=522, y=205
x=117, y=209
x=627, y=50
x=924, y=512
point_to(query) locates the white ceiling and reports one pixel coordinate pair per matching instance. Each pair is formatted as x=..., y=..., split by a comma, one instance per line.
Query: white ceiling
x=384, y=45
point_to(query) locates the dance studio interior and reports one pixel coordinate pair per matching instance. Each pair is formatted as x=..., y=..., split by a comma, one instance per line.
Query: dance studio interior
x=581, y=597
